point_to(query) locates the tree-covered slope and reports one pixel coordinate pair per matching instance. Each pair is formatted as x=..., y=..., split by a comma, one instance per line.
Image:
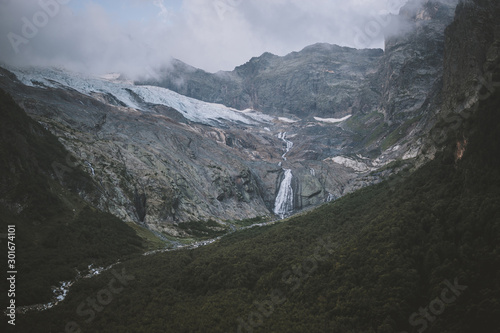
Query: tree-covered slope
x=416, y=253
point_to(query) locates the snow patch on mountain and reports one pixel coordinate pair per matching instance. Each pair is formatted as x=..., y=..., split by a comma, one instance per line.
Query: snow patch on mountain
x=332, y=120
x=362, y=164
x=411, y=153
x=351, y=163
x=287, y=120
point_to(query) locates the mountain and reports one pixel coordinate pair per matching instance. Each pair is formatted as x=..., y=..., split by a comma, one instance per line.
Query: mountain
x=401, y=83
x=153, y=163
x=416, y=253
x=419, y=252
x=321, y=80
x=346, y=119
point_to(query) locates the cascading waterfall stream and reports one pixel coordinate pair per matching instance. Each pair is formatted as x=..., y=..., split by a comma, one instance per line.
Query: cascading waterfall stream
x=91, y=168
x=288, y=143
x=283, y=204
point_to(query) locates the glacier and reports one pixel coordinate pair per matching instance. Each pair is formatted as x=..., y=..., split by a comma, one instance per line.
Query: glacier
x=128, y=93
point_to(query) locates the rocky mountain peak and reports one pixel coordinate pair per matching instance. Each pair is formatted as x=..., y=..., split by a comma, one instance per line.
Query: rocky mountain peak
x=320, y=80
x=411, y=70
x=425, y=10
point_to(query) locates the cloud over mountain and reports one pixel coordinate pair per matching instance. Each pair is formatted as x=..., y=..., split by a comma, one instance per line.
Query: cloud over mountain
x=105, y=36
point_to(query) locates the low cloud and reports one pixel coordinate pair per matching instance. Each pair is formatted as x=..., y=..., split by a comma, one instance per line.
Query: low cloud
x=89, y=41
x=209, y=34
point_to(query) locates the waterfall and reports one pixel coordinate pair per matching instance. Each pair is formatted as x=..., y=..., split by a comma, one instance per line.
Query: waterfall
x=91, y=168
x=288, y=143
x=283, y=204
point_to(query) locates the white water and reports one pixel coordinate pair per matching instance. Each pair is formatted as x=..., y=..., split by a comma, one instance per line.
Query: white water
x=62, y=291
x=91, y=168
x=288, y=143
x=283, y=204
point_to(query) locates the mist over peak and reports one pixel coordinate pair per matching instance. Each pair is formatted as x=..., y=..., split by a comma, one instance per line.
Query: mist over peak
x=137, y=37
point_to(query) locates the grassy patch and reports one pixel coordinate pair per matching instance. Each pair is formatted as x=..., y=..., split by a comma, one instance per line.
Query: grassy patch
x=250, y=221
x=152, y=242
x=203, y=229
x=399, y=133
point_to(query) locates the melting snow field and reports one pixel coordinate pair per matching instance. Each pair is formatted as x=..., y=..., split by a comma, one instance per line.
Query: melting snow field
x=351, y=163
x=137, y=96
x=332, y=120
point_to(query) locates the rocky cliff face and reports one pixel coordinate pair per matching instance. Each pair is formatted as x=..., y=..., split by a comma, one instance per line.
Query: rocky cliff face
x=471, y=68
x=152, y=169
x=406, y=89
x=472, y=54
x=410, y=73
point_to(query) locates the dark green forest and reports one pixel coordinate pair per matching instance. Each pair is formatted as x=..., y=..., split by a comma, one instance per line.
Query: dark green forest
x=417, y=253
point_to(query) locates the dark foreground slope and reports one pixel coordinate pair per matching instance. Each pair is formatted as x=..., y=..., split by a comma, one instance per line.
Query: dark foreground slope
x=57, y=233
x=417, y=253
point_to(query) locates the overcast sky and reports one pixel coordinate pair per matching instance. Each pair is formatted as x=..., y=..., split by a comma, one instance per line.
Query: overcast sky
x=131, y=36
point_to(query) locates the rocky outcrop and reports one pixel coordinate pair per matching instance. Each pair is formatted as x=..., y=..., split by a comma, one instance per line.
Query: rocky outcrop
x=472, y=54
x=406, y=89
x=411, y=70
